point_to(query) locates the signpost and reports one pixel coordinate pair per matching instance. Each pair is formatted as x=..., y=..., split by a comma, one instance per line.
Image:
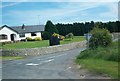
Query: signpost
x=88, y=36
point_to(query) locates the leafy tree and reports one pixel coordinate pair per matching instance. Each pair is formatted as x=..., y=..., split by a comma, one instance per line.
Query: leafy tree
x=50, y=27
x=46, y=35
x=100, y=37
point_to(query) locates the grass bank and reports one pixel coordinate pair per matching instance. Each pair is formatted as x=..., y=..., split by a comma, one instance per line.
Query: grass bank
x=101, y=60
x=11, y=57
x=43, y=43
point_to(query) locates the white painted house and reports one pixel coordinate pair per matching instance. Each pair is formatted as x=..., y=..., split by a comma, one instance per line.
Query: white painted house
x=20, y=32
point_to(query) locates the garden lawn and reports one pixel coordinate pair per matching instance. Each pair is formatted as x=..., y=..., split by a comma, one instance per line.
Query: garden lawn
x=101, y=60
x=37, y=44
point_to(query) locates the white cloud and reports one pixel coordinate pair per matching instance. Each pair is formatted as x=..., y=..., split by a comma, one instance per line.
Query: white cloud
x=10, y=4
x=66, y=13
x=31, y=16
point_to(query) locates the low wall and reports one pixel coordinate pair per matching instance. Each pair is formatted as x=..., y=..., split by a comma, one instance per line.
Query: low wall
x=43, y=50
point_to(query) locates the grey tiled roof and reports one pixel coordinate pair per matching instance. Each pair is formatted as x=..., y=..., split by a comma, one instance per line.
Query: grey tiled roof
x=28, y=29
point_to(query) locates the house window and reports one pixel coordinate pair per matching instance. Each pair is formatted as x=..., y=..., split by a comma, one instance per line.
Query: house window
x=33, y=34
x=22, y=35
x=3, y=36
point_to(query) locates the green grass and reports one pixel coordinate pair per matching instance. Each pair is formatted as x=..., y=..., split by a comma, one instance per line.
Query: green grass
x=100, y=66
x=11, y=57
x=32, y=44
x=101, y=60
x=37, y=44
x=75, y=39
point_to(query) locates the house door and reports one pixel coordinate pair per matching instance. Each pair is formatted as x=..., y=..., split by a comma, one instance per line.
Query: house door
x=12, y=37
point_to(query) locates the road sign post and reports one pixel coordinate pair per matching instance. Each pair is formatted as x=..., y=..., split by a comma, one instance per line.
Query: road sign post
x=88, y=36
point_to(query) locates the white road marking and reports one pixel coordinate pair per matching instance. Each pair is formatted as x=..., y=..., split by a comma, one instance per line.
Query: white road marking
x=32, y=64
x=49, y=60
x=69, y=68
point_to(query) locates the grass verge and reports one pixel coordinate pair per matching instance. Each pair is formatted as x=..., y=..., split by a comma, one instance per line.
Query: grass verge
x=11, y=57
x=101, y=60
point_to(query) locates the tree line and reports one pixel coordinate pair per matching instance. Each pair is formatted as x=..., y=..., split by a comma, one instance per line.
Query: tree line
x=77, y=28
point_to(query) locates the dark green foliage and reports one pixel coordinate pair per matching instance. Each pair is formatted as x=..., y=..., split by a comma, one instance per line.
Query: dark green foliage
x=100, y=37
x=79, y=29
x=106, y=53
x=46, y=35
x=50, y=27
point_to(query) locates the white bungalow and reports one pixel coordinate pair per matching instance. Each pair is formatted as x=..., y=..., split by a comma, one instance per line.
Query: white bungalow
x=20, y=32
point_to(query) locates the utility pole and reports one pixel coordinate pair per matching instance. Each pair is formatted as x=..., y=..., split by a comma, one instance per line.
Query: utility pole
x=38, y=19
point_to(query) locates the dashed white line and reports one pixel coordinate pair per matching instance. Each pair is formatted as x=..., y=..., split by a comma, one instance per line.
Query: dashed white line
x=69, y=68
x=49, y=60
x=32, y=64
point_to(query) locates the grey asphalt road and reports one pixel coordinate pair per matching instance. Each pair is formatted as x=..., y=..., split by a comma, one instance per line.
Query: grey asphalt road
x=52, y=66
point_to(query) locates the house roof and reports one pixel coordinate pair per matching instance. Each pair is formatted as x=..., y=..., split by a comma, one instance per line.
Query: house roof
x=26, y=29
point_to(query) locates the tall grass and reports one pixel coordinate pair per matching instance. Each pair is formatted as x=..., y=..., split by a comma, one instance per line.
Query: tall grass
x=101, y=60
x=109, y=53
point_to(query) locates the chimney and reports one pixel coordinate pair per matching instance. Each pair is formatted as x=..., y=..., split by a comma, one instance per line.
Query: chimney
x=23, y=27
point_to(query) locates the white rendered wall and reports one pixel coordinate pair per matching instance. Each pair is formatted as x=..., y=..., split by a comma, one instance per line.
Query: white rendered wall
x=8, y=32
x=38, y=34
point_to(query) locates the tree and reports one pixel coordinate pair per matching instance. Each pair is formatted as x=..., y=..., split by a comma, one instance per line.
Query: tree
x=50, y=28
x=69, y=36
x=100, y=37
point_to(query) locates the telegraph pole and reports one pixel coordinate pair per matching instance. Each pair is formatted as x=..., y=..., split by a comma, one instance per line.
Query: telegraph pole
x=38, y=19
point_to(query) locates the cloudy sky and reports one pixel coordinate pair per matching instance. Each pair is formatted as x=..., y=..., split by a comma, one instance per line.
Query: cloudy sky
x=32, y=13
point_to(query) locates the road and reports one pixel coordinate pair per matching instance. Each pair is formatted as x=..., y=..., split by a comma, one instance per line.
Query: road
x=52, y=66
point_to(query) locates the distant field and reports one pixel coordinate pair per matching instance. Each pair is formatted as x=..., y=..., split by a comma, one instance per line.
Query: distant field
x=43, y=43
x=101, y=60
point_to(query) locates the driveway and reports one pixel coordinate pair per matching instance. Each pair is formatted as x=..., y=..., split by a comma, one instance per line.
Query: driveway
x=59, y=65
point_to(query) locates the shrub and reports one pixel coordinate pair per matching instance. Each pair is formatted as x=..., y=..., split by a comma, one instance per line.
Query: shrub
x=38, y=39
x=100, y=37
x=55, y=35
x=29, y=39
x=61, y=37
x=69, y=36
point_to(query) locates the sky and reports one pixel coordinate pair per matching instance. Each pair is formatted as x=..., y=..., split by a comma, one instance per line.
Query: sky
x=34, y=13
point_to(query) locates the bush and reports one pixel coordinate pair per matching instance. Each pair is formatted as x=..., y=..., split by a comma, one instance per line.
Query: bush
x=100, y=37
x=69, y=36
x=38, y=39
x=29, y=39
x=55, y=35
x=61, y=37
